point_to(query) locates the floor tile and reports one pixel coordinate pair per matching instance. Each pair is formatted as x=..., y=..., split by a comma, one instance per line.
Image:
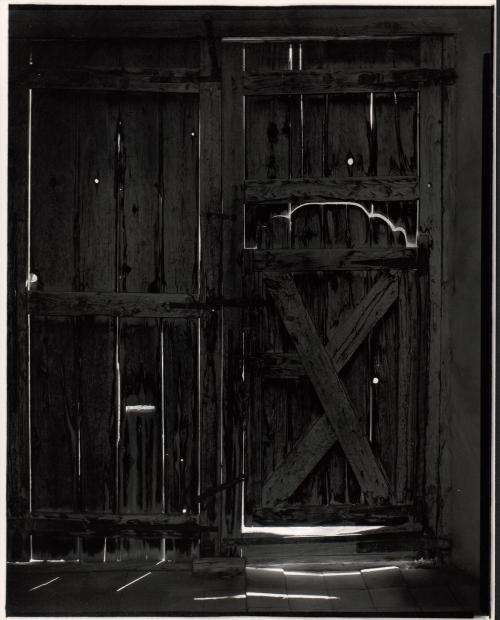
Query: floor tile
x=348, y=580
x=423, y=577
x=307, y=591
x=351, y=601
x=437, y=598
x=266, y=589
x=383, y=577
x=393, y=599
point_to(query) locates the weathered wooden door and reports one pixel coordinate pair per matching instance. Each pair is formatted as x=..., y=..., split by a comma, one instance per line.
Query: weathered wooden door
x=120, y=261
x=334, y=156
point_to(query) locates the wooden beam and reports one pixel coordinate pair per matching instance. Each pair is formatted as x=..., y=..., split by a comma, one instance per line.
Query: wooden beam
x=149, y=22
x=113, y=304
x=210, y=286
x=342, y=514
x=314, y=82
x=89, y=524
x=329, y=389
x=79, y=78
x=18, y=425
x=285, y=261
x=430, y=215
x=328, y=189
x=233, y=166
x=319, y=437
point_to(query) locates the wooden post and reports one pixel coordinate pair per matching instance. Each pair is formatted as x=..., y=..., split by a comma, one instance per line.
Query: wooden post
x=18, y=464
x=233, y=242
x=210, y=288
x=431, y=283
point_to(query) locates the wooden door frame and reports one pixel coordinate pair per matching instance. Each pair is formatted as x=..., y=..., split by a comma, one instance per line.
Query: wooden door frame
x=62, y=23
x=436, y=139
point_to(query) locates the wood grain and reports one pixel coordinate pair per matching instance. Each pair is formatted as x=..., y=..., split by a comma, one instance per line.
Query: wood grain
x=98, y=414
x=181, y=415
x=305, y=82
x=54, y=413
x=139, y=448
x=332, y=260
x=18, y=472
x=179, y=191
x=113, y=304
x=53, y=182
x=328, y=387
x=430, y=287
x=349, y=137
x=329, y=189
x=210, y=287
x=233, y=164
x=319, y=436
x=140, y=259
x=97, y=122
x=112, y=80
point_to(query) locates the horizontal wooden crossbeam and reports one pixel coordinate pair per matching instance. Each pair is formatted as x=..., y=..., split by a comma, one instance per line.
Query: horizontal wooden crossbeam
x=112, y=304
x=325, y=188
x=109, y=80
x=320, y=436
x=343, y=514
x=73, y=524
x=286, y=261
x=316, y=82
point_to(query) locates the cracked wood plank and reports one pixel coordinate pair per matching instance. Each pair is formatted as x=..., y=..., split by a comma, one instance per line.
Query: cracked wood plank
x=329, y=389
x=342, y=344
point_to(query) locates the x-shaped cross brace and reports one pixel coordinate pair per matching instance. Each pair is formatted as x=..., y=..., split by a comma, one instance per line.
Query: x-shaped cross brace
x=322, y=365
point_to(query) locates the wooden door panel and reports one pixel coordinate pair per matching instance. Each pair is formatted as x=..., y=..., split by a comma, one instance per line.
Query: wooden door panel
x=53, y=180
x=140, y=440
x=98, y=419
x=180, y=368
x=344, y=135
x=54, y=413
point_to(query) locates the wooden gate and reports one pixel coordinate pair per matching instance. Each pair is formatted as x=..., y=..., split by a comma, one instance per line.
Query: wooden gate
x=336, y=148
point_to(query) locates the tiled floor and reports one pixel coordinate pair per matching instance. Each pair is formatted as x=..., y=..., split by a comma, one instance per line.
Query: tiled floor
x=381, y=591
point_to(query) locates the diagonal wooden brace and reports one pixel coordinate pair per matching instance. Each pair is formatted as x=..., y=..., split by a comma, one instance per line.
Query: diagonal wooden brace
x=339, y=421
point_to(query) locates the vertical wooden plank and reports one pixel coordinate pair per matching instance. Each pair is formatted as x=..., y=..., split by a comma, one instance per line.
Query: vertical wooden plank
x=267, y=137
x=314, y=131
x=265, y=432
x=431, y=222
x=349, y=136
x=98, y=414
x=449, y=241
x=18, y=459
x=233, y=242
x=54, y=413
x=385, y=413
x=180, y=339
x=97, y=126
x=179, y=120
x=407, y=386
x=396, y=130
x=140, y=476
x=210, y=287
x=53, y=191
x=140, y=260
x=267, y=56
